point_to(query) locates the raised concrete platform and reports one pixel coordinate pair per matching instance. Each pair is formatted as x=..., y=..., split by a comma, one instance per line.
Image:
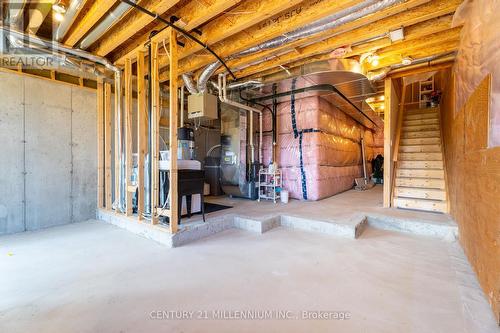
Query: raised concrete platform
x=346, y=215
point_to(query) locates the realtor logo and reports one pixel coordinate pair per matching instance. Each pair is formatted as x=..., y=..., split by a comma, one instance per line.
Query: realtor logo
x=20, y=49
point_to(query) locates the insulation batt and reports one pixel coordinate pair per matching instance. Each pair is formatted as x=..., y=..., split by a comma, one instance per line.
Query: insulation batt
x=331, y=153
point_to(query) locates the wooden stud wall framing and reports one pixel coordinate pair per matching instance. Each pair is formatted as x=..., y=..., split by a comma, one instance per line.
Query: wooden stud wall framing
x=129, y=190
x=117, y=146
x=155, y=115
x=174, y=103
x=142, y=134
x=107, y=145
x=100, y=144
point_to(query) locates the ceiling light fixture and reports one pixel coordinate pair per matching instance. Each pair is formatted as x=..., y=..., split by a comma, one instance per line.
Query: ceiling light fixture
x=407, y=61
x=60, y=7
x=58, y=17
x=396, y=35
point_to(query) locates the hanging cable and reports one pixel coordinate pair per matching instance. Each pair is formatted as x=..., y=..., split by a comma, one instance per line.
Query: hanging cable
x=182, y=31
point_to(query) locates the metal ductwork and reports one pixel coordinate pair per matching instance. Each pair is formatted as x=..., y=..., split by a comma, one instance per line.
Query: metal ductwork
x=345, y=16
x=334, y=81
x=189, y=83
x=73, y=10
x=15, y=11
x=105, y=25
x=52, y=49
x=379, y=74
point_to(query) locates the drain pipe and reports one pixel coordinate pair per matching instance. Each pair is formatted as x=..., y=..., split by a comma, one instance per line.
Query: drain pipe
x=223, y=98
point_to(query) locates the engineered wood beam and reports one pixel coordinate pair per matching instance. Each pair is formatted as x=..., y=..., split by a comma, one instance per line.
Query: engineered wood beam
x=413, y=16
x=128, y=136
x=80, y=28
x=174, y=105
x=411, y=32
x=192, y=15
x=276, y=21
x=128, y=26
x=441, y=48
x=435, y=42
x=142, y=131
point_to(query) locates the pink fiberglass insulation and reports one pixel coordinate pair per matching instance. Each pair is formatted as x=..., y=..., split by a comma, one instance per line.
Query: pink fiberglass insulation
x=321, y=156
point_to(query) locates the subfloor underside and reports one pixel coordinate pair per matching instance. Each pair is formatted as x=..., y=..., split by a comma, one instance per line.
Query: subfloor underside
x=95, y=277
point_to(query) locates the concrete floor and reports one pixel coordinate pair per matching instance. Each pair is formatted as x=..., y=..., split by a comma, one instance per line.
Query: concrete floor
x=337, y=208
x=95, y=277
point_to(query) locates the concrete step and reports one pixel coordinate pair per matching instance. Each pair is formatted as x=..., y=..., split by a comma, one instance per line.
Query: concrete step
x=420, y=182
x=420, y=164
x=418, y=116
x=421, y=134
x=420, y=149
x=420, y=173
x=437, y=206
x=420, y=141
x=420, y=128
x=420, y=156
x=419, y=193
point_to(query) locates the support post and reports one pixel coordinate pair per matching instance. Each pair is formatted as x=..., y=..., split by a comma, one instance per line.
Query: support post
x=142, y=139
x=117, y=145
x=174, y=103
x=128, y=137
x=100, y=144
x=108, y=149
x=155, y=116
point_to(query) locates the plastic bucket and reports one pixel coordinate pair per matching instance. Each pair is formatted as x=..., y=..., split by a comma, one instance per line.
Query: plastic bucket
x=284, y=196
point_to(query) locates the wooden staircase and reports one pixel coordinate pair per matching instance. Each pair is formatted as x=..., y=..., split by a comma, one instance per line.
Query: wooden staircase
x=419, y=174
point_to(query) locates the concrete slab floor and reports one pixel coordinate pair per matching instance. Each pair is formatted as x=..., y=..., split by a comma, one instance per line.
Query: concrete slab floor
x=95, y=277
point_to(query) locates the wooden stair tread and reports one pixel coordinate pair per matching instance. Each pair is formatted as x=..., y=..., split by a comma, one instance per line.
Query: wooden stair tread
x=420, y=173
x=420, y=182
x=421, y=134
x=419, y=128
x=420, y=193
x=421, y=111
x=420, y=157
x=420, y=122
x=420, y=164
x=420, y=141
x=421, y=204
x=420, y=149
x=420, y=116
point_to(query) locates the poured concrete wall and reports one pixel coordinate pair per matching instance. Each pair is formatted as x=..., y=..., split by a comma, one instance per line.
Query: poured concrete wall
x=48, y=149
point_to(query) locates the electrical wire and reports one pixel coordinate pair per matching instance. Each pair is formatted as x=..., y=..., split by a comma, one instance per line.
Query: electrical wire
x=182, y=31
